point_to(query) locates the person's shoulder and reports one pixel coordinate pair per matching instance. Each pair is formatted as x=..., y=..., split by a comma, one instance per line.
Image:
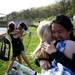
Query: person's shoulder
x=70, y=43
x=70, y=46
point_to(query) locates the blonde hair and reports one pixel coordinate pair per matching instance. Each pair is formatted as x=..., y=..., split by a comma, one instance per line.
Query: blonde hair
x=43, y=31
x=44, y=34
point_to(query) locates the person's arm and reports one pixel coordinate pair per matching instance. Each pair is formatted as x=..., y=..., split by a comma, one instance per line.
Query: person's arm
x=2, y=36
x=64, y=60
x=59, y=56
x=48, y=48
x=43, y=63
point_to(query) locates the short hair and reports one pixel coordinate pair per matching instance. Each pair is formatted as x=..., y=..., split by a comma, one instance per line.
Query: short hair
x=23, y=26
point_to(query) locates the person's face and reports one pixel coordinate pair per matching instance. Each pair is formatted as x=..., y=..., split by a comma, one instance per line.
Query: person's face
x=59, y=32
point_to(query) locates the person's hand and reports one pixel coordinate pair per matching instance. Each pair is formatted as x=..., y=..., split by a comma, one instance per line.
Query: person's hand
x=44, y=64
x=49, y=48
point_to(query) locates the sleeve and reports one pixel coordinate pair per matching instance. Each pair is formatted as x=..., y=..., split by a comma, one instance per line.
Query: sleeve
x=65, y=61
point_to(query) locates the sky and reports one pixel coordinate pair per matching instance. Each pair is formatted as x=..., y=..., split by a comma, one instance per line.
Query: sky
x=8, y=6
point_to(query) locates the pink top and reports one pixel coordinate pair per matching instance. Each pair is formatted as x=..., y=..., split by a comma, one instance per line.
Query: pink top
x=69, y=48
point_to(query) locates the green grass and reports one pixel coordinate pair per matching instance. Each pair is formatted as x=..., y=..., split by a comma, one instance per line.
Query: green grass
x=30, y=44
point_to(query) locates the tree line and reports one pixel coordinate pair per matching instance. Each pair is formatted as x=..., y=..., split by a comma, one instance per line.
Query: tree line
x=66, y=7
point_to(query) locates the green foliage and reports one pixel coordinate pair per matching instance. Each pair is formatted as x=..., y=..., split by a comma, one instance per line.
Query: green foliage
x=60, y=7
x=74, y=26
